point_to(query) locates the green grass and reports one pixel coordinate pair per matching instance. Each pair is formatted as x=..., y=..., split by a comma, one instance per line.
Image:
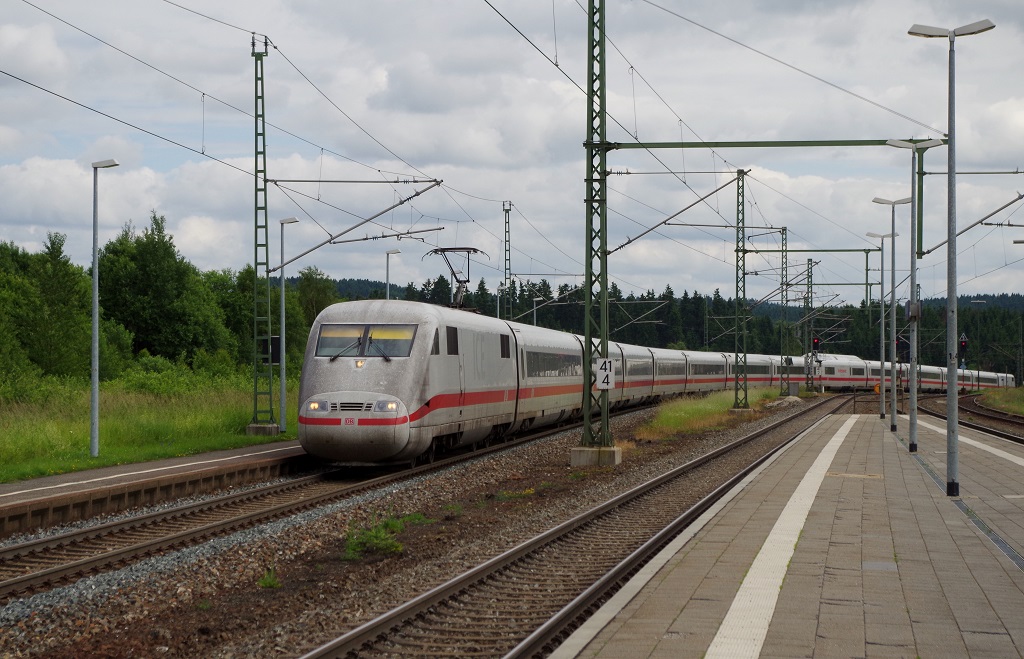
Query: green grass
x=137, y=422
x=381, y=539
x=688, y=415
x=1008, y=400
x=269, y=579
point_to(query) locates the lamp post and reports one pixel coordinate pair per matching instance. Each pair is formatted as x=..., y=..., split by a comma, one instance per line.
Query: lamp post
x=892, y=306
x=94, y=407
x=284, y=390
x=535, y=300
x=387, y=272
x=881, y=320
x=915, y=304
x=952, y=417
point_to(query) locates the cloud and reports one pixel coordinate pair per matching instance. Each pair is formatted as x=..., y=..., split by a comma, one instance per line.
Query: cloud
x=461, y=93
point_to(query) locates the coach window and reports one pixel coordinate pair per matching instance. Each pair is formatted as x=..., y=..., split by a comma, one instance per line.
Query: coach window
x=435, y=349
x=453, y=340
x=506, y=349
x=830, y=370
x=639, y=367
x=858, y=371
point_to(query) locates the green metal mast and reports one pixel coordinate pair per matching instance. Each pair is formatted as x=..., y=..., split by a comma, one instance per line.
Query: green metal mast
x=596, y=275
x=809, y=326
x=507, y=205
x=784, y=296
x=740, y=353
x=262, y=369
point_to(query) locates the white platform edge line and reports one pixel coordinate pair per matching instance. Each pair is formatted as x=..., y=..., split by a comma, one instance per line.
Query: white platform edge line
x=589, y=630
x=745, y=626
x=976, y=444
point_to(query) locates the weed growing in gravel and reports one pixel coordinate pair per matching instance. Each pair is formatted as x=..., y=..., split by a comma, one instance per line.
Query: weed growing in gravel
x=453, y=511
x=381, y=538
x=683, y=416
x=511, y=495
x=204, y=605
x=269, y=579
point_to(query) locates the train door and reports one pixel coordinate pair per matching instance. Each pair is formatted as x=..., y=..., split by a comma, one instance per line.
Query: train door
x=455, y=375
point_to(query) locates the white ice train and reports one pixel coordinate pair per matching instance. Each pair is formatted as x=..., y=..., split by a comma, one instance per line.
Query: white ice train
x=390, y=381
x=851, y=373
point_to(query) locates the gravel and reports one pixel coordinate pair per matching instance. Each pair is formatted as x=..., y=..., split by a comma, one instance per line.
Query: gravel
x=207, y=600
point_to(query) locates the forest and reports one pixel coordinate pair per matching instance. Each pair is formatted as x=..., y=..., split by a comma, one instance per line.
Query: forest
x=157, y=308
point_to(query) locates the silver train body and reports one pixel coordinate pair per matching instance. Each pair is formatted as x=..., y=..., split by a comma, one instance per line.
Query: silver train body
x=851, y=373
x=390, y=381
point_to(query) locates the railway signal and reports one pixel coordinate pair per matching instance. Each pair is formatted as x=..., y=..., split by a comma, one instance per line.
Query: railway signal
x=816, y=343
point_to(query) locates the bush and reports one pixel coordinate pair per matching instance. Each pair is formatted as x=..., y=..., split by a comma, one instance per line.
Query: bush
x=219, y=364
x=152, y=374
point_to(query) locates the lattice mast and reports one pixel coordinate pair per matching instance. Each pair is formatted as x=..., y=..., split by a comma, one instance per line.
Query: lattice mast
x=595, y=401
x=740, y=351
x=262, y=369
x=809, y=362
x=507, y=206
x=784, y=295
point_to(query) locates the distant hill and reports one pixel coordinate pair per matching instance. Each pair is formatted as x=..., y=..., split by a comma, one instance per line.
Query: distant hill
x=1010, y=302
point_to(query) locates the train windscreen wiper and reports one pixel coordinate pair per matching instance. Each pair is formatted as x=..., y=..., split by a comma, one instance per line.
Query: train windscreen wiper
x=382, y=352
x=354, y=344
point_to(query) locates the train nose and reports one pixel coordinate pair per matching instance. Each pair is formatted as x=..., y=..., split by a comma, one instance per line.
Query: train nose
x=354, y=426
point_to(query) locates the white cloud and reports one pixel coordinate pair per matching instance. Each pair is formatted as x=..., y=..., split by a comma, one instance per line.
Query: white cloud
x=454, y=92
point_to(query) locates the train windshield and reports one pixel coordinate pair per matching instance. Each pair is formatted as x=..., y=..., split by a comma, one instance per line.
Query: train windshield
x=365, y=340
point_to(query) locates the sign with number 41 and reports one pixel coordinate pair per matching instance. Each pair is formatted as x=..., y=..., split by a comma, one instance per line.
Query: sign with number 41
x=605, y=370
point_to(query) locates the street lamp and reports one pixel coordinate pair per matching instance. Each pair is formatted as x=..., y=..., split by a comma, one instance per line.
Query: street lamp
x=915, y=308
x=387, y=272
x=535, y=300
x=892, y=306
x=952, y=416
x=881, y=320
x=94, y=421
x=284, y=390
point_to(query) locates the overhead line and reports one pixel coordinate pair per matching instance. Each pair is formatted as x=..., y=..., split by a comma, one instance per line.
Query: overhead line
x=794, y=68
x=196, y=89
x=126, y=123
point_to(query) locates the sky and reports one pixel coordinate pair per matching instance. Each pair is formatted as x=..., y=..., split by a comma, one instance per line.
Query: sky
x=368, y=102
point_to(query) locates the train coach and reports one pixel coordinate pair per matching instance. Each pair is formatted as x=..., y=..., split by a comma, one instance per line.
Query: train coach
x=851, y=373
x=393, y=381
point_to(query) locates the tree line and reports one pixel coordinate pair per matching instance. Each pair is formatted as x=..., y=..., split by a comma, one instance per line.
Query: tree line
x=155, y=306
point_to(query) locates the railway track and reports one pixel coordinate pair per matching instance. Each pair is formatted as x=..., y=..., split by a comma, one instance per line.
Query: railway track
x=973, y=415
x=45, y=563
x=37, y=565
x=523, y=601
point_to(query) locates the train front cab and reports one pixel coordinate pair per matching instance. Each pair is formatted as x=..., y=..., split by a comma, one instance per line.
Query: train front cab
x=344, y=414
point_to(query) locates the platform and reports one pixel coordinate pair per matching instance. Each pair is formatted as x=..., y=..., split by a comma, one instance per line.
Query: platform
x=60, y=498
x=845, y=544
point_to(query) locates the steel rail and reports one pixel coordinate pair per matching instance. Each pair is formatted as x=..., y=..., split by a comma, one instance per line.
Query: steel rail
x=55, y=570
x=355, y=640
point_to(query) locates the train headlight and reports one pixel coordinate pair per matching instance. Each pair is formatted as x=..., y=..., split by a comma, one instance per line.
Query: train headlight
x=316, y=406
x=385, y=406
